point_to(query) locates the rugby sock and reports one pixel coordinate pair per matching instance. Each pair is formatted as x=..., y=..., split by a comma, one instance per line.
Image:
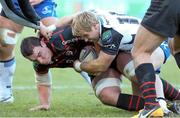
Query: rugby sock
x=146, y=77
x=130, y=102
x=7, y=69
x=86, y=77
x=170, y=92
x=163, y=104
x=177, y=58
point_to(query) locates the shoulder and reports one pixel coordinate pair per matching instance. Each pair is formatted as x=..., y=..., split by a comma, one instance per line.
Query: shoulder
x=110, y=35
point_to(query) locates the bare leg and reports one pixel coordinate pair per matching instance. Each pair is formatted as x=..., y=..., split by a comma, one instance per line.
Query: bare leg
x=145, y=43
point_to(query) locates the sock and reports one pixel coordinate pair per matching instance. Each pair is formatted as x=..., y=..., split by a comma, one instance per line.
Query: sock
x=7, y=69
x=163, y=104
x=170, y=92
x=159, y=87
x=86, y=77
x=130, y=102
x=177, y=58
x=146, y=77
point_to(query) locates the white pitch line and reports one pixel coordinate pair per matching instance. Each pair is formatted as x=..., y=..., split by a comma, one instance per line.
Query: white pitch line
x=61, y=87
x=124, y=86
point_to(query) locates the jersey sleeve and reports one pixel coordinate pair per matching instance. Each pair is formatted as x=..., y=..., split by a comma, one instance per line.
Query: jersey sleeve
x=110, y=41
x=41, y=69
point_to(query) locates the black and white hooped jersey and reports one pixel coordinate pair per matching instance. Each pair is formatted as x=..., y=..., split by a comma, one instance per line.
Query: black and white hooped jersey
x=117, y=32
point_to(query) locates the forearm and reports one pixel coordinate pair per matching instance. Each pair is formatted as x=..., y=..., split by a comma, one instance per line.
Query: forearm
x=44, y=94
x=64, y=21
x=93, y=67
x=44, y=82
x=35, y=2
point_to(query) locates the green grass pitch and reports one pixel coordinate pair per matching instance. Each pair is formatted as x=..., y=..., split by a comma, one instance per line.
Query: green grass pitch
x=71, y=95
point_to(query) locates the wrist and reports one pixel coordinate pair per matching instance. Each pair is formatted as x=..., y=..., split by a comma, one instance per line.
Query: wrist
x=52, y=27
x=77, y=66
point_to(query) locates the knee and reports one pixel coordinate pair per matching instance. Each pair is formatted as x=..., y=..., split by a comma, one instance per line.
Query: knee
x=104, y=96
x=109, y=95
x=107, y=90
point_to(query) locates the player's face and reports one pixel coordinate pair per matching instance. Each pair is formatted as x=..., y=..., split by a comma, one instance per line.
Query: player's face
x=93, y=35
x=41, y=55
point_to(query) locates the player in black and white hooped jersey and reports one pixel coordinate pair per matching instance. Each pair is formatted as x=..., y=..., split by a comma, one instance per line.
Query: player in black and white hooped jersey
x=112, y=44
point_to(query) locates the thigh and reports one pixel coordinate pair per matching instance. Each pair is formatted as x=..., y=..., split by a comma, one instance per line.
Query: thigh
x=109, y=74
x=9, y=24
x=122, y=59
x=145, y=43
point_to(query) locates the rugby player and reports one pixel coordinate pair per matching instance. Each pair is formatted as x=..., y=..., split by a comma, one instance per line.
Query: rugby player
x=109, y=31
x=9, y=32
x=61, y=51
x=160, y=21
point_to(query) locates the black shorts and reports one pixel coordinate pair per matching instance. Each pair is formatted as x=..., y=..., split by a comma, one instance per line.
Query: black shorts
x=163, y=17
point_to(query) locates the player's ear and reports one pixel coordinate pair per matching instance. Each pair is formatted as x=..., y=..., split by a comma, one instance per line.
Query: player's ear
x=96, y=26
x=43, y=44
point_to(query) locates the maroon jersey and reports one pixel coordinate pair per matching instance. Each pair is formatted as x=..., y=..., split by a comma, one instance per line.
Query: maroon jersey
x=65, y=47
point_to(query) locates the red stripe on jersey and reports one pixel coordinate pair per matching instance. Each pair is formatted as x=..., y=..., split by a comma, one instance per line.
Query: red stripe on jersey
x=58, y=31
x=62, y=39
x=53, y=47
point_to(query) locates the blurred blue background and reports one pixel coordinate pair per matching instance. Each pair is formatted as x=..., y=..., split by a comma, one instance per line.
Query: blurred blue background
x=131, y=7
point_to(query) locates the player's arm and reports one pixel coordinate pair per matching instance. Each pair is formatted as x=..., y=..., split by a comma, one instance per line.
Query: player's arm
x=100, y=64
x=35, y=2
x=64, y=21
x=110, y=46
x=43, y=82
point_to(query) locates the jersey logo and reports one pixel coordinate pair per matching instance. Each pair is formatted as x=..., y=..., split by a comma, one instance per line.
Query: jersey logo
x=106, y=36
x=46, y=10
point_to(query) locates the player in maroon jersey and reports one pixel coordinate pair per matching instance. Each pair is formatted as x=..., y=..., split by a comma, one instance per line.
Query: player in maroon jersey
x=61, y=51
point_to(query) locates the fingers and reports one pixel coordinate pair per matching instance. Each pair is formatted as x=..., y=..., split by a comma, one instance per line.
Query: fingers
x=49, y=34
x=46, y=33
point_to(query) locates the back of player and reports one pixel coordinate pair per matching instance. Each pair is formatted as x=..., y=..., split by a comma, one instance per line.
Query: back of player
x=65, y=47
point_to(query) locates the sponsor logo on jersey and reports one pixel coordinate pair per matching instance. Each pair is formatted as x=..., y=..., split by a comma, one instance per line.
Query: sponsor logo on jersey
x=110, y=46
x=106, y=36
x=46, y=10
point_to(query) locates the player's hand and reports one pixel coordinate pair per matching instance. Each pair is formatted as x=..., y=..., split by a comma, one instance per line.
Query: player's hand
x=45, y=31
x=35, y=2
x=40, y=107
x=76, y=65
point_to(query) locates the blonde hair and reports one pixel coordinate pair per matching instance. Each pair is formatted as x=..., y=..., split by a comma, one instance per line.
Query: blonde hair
x=83, y=22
